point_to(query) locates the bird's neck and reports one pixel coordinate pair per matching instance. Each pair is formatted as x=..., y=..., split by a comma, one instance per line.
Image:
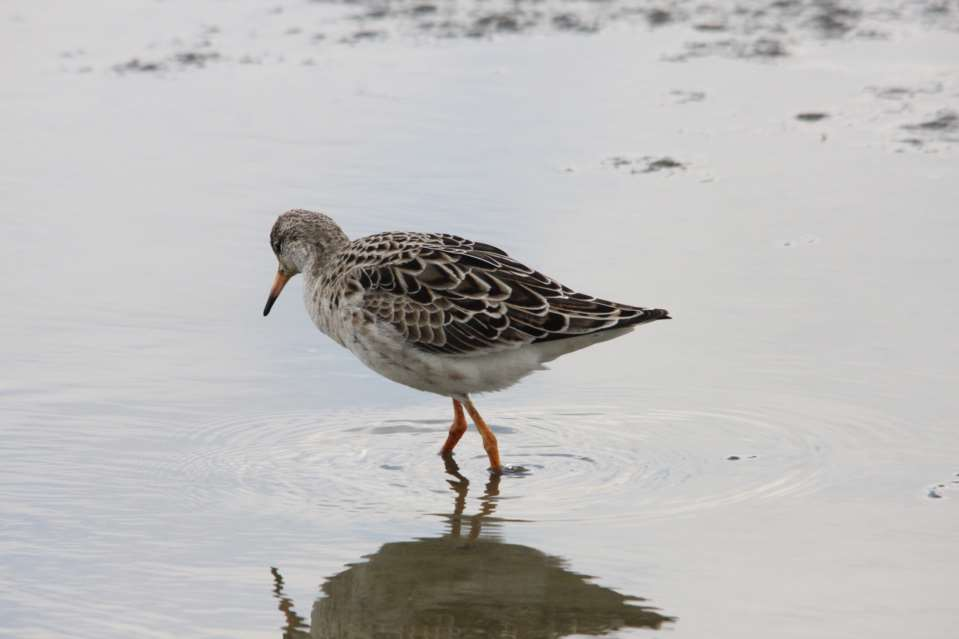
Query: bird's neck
x=314, y=259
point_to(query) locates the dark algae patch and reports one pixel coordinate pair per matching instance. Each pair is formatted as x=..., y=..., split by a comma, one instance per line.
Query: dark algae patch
x=645, y=164
x=940, y=127
x=684, y=97
x=195, y=58
x=135, y=65
x=834, y=19
x=662, y=164
x=905, y=92
x=181, y=60
x=763, y=31
x=513, y=22
x=759, y=48
x=363, y=35
x=572, y=22
x=945, y=120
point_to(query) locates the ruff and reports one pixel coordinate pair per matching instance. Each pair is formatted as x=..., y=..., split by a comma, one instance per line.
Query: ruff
x=440, y=313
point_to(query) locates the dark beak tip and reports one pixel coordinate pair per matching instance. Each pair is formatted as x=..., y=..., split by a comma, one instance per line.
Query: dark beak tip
x=278, y=284
x=269, y=305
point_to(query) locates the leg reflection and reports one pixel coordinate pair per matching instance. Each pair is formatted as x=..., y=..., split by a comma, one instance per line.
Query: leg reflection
x=296, y=626
x=460, y=485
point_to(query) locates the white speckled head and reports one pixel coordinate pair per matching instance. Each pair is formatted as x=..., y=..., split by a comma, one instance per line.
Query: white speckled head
x=302, y=240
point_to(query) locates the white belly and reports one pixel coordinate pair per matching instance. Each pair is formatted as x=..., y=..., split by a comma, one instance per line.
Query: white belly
x=381, y=348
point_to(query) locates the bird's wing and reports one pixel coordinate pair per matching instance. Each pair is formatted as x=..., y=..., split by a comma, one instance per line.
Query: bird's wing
x=449, y=295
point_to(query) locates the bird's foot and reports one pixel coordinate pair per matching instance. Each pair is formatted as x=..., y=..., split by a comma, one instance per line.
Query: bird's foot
x=512, y=471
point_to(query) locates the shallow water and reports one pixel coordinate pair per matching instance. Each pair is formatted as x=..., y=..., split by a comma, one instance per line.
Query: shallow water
x=779, y=460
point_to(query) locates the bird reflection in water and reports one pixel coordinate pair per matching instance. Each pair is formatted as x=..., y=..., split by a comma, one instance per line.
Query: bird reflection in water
x=463, y=584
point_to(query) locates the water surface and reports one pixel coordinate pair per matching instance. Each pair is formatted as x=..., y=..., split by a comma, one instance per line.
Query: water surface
x=779, y=460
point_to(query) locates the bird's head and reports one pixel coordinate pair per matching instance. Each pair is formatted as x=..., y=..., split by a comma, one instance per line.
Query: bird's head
x=302, y=241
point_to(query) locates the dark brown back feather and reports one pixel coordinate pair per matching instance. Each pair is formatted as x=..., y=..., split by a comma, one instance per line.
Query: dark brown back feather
x=449, y=295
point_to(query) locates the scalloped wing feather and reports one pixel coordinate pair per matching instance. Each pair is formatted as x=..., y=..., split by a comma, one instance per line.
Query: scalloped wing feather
x=449, y=295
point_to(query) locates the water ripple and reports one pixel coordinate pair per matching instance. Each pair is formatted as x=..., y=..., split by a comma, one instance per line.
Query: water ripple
x=577, y=464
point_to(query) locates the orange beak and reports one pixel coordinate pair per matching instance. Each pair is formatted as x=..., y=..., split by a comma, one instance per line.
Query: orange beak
x=278, y=284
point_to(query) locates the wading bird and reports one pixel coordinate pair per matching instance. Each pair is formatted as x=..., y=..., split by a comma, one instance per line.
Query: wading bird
x=440, y=313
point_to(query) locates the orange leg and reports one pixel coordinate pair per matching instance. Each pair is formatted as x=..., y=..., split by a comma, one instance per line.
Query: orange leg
x=489, y=439
x=456, y=430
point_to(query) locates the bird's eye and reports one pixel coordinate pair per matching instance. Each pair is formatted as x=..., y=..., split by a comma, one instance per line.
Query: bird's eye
x=276, y=248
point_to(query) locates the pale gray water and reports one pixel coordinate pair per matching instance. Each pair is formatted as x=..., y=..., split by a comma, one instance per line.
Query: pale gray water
x=779, y=460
